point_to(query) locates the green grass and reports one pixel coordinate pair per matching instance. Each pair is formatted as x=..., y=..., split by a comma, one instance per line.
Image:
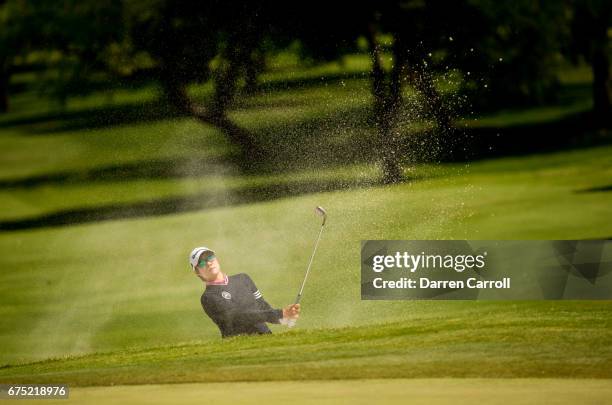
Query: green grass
x=360, y=392
x=486, y=340
x=311, y=133
x=120, y=284
x=114, y=302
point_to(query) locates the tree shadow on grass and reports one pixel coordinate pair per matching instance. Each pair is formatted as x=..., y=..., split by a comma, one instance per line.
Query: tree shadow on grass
x=107, y=116
x=175, y=205
x=142, y=170
x=572, y=131
x=305, y=145
x=341, y=136
x=599, y=189
x=92, y=118
x=308, y=82
x=333, y=139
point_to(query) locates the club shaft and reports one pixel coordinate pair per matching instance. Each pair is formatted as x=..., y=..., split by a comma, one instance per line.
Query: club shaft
x=299, y=296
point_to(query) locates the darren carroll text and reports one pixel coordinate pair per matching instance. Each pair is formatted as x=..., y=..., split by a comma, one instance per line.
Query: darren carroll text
x=424, y=282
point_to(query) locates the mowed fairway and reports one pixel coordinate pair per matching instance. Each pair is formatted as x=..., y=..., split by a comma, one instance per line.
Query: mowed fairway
x=366, y=392
x=111, y=307
x=471, y=339
x=122, y=284
x=107, y=288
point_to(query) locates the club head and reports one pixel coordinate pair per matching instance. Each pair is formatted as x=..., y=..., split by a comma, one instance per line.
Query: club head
x=321, y=211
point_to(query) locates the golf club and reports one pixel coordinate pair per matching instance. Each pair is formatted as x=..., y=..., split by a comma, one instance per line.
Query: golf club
x=320, y=211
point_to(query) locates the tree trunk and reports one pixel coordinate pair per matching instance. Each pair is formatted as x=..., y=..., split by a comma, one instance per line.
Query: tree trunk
x=601, y=89
x=225, y=86
x=176, y=94
x=387, y=100
x=4, y=86
x=600, y=64
x=215, y=114
x=226, y=82
x=237, y=135
x=253, y=69
x=422, y=81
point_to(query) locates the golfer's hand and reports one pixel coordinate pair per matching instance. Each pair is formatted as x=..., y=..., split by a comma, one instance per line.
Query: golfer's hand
x=291, y=311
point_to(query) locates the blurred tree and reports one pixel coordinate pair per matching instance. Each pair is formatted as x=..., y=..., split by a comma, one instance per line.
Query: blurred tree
x=419, y=29
x=413, y=30
x=70, y=36
x=590, y=23
x=80, y=31
x=194, y=41
x=514, y=48
x=15, y=22
x=504, y=52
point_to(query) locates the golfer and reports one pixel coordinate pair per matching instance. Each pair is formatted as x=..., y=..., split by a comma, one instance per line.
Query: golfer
x=233, y=302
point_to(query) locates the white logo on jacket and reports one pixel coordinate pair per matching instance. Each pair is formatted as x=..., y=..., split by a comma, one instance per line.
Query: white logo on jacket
x=226, y=295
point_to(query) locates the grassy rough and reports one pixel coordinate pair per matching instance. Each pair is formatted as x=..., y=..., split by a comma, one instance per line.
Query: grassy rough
x=123, y=284
x=505, y=340
x=122, y=288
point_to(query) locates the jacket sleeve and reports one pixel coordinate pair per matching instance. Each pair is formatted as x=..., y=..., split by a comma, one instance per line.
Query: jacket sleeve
x=262, y=304
x=227, y=317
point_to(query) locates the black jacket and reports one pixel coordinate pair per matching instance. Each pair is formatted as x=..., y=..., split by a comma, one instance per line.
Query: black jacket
x=238, y=307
